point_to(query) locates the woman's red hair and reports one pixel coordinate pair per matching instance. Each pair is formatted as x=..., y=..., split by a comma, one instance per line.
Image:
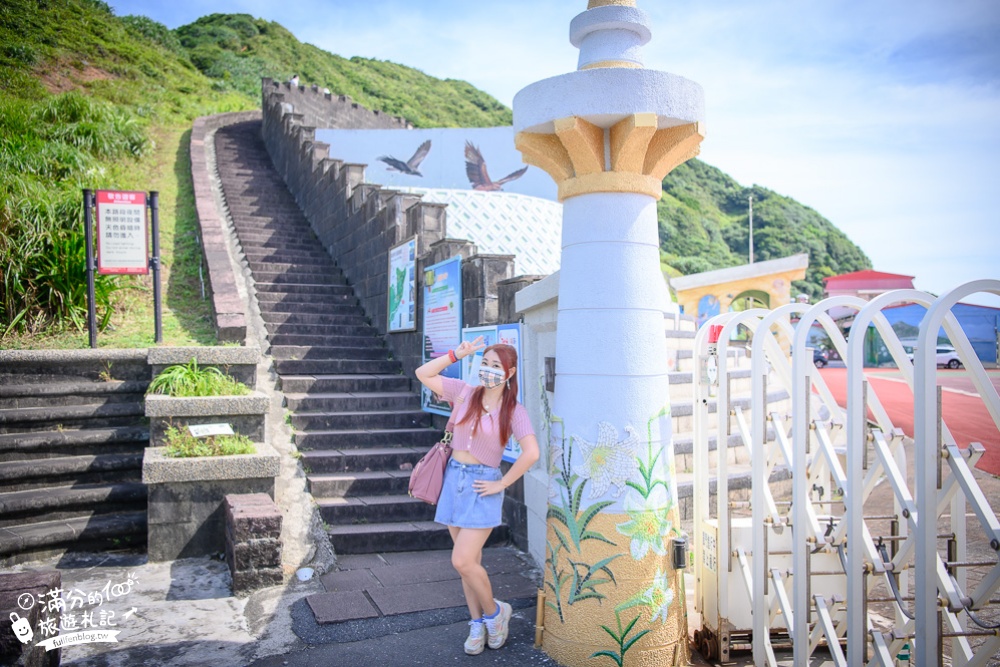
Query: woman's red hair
x=508, y=359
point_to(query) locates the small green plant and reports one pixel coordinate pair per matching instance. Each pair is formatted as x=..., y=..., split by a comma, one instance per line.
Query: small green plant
x=181, y=444
x=105, y=374
x=621, y=640
x=189, y=380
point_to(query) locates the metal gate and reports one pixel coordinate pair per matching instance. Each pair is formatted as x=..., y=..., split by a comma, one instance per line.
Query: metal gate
x=838, y=513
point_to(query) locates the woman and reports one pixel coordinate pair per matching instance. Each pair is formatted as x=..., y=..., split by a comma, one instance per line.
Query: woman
x=471, y=500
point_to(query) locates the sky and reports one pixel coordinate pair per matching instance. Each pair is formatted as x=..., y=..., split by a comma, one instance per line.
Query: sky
x=882, y=116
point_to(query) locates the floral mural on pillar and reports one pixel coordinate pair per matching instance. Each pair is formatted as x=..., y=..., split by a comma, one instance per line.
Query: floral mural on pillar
x=618, y=473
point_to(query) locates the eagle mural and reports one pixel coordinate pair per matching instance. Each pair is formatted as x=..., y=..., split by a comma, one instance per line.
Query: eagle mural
x=410, y=166
x=475, y=169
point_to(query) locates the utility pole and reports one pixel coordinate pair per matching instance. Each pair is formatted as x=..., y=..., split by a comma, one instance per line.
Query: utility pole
x=750, y=199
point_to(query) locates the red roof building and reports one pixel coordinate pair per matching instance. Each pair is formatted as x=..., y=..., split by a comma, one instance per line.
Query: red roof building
x=866, y=284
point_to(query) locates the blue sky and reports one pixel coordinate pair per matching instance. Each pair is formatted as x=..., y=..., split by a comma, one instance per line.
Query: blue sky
x=882, y=116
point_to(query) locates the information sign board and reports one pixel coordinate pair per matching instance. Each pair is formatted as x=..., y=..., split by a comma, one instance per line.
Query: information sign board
x=121, y=233
x=442, y=311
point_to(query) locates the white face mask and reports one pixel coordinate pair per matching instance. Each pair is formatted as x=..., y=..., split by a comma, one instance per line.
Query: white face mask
x=490, y=377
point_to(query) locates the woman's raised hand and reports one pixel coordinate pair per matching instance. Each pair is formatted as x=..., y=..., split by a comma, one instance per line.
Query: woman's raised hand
x=466, y=348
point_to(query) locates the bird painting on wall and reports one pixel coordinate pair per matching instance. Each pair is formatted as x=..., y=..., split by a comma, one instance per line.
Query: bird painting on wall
x=475, y=169
x=410, y=166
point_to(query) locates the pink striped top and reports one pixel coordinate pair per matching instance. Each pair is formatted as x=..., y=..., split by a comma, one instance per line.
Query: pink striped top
x=485, y=444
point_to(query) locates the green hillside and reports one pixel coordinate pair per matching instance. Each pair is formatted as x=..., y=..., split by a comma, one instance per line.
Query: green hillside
x=704, y=225
x=88, y=99
x=236, y=50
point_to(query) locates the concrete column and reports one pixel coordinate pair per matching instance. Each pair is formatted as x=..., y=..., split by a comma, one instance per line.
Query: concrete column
x=608, y=134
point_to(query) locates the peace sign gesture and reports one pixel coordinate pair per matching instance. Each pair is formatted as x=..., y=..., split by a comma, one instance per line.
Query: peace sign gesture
x=466, y=348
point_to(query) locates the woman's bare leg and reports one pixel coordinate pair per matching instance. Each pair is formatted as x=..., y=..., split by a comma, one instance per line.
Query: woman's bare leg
x=466, y=558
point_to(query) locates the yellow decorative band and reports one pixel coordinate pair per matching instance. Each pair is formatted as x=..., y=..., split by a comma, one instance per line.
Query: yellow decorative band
x=604, y=3
x=605, y=64
x=610, y=181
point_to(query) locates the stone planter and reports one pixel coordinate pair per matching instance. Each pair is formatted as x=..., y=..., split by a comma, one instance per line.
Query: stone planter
x=239, y=363
x=187, y=517
x=246, y=414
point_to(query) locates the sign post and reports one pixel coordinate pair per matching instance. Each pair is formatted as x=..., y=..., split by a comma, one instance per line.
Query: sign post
x=122, y=244
x=88, y=232
x=154, y=264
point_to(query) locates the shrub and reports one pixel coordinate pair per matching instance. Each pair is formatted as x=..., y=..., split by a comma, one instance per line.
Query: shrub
x=181, y=444
x=186, y=380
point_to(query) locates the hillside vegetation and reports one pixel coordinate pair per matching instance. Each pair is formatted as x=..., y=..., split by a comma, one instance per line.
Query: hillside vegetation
x=236, y=50
x=704, y=225
x=88, y=99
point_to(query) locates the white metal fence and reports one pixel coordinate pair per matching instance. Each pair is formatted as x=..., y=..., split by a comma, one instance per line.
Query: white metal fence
x=838, y=526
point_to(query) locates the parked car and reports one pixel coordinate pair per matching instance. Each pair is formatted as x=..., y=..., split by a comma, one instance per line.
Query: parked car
x=820, y=357
x=946, y=355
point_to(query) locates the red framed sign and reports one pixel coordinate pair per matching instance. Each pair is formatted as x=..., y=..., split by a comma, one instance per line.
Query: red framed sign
x=122, y=246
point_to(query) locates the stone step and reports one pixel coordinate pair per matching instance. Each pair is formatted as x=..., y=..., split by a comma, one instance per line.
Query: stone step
x=343, y=484
x=309, y=298
x=371, y=459
x=683, y=417
x=50, y=418
x=298, y=328
x=353, y=321
x=402, y=536
x=334, y=421
x=315, y=401
x=328, y=341
x=307, y=352
x=93, y=532
x=333, y=366
x=303, y=290
x=296, y=278
x=89, y=441
x=286, y=247
x=276, y=264
x=681, y=384
x=286, y=235
x=350, y=439
x=342, y=307
x=302, y=384
x=53, y=471
x=70, y=393
x=680, y=322
x=253, y=222
x=63, y=502
x=740, y=482
x=374, y=509
x=124, y=365
x=303, y=259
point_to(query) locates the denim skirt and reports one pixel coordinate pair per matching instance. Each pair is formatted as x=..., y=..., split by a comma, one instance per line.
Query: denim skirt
x=460, y=505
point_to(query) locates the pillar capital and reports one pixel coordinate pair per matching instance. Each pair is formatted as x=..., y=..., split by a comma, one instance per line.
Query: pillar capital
x=634, y=155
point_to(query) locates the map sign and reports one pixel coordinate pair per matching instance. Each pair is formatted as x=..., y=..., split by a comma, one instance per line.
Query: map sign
x=403, y=287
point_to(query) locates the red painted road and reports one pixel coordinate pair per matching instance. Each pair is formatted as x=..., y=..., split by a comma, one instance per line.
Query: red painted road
x=965, y=415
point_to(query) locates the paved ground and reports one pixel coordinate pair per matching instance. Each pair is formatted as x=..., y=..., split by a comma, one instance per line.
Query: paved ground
x=964, y=411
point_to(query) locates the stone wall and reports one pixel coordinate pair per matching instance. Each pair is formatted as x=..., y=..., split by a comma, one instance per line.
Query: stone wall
x=359, y=222
x=227, y=304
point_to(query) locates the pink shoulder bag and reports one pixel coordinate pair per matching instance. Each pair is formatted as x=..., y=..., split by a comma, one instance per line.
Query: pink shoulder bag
x=427, y=477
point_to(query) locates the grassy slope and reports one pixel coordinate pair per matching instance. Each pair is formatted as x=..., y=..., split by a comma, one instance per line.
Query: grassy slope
x=56, y=46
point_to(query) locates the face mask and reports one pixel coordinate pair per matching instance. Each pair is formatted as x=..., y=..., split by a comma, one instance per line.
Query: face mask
x=490, y=377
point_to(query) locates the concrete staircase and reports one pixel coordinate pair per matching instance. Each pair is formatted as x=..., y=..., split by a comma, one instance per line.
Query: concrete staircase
x=357, y=422
x=72, y=436
x=681, y=339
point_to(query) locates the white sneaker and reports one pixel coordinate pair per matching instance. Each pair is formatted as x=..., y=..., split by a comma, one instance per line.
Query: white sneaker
x=476, y=642
x=498, y=626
